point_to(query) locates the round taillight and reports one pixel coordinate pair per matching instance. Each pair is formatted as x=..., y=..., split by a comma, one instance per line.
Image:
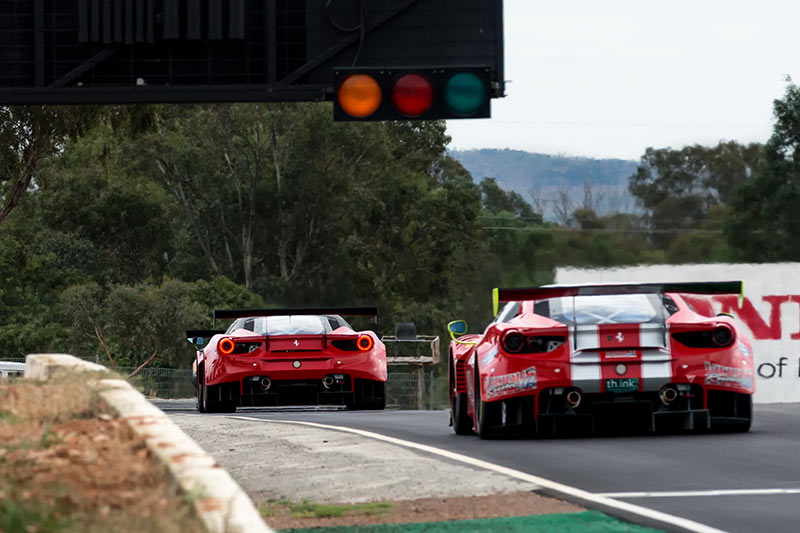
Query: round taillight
x=722, y=336
x=359, y=95
x=412, y=95
x=226, y=346
x=365, y=343
x=513, y=342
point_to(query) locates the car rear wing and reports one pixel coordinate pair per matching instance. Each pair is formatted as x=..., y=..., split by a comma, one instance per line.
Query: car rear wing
x=557, y=291
x=202, y=332
x=223, y=314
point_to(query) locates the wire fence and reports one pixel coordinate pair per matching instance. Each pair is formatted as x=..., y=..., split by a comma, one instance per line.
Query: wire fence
x=153, y=382
x=408, y=386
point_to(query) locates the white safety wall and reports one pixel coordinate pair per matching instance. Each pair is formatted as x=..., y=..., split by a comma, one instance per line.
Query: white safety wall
x=771, y=312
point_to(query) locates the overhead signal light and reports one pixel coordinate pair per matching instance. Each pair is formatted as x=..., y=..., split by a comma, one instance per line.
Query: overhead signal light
x=412, y=95
x=465, y=94
x=359, y=95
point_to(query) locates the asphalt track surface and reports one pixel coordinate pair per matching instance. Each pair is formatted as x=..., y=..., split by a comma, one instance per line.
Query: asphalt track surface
x=734, y=482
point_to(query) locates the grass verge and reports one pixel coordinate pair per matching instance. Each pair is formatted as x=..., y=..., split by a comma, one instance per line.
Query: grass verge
x=309, y=509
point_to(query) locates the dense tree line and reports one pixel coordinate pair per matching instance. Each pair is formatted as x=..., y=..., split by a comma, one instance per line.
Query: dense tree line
x=123, y=226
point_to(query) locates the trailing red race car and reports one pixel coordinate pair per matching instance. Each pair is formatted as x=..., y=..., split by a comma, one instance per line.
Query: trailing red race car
x=602, y=358
x=275, y=357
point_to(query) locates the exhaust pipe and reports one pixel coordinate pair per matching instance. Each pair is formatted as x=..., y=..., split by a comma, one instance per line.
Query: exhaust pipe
x=327, y=382
x=574, y=398
x=668, y=395
x=266, y=383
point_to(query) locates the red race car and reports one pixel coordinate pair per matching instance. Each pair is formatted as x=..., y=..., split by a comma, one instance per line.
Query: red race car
x=276, y=357
x=585, y=359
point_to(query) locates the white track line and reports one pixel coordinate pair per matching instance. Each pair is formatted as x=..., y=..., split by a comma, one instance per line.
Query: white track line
x=599, y=499
x=687, y=493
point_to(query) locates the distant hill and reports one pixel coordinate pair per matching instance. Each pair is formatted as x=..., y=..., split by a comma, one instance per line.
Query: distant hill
x=541, y=179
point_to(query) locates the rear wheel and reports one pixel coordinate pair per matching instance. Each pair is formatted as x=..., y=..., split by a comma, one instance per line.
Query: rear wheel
x=370, y=395
x=208, y=405
x=198, y=390
x=731, y=412
x=462, y=423
x=485, y=413
x=745, y=411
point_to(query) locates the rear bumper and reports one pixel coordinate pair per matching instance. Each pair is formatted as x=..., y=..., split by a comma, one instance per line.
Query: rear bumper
x=301, y=367
x=548, y=413
x=630, y=418
x=255, y=392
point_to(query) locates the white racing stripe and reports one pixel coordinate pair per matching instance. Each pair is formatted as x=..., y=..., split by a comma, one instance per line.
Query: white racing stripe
x=693, y=493
x=689, y=525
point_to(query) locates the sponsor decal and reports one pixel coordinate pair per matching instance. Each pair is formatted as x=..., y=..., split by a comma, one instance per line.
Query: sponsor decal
x=489, y=356
x=620, y=355
x=621, y=369
x=620, y=337
x=297, y=364
x=296, y=342
x=510, y=383
x=622, y=385
x=727, y=376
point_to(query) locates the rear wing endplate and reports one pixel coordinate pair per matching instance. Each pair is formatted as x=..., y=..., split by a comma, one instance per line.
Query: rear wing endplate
x=202, y=332
x=557, y=291
x=200, y=337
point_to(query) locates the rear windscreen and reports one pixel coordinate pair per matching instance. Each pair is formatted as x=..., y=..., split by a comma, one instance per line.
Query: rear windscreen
x=616, y=309
x=283, y=325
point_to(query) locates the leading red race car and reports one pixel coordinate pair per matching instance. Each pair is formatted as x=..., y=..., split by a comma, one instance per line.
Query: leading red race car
x=602, y=358
x=276, y=357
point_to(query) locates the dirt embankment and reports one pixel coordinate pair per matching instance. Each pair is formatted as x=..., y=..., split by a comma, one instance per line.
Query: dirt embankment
x=67, y=465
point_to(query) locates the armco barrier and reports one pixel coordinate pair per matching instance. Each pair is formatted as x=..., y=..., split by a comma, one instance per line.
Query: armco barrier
x=770, y=311
x=221, y=504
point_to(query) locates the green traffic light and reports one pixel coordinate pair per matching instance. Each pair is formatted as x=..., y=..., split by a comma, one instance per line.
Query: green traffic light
x=465, y=94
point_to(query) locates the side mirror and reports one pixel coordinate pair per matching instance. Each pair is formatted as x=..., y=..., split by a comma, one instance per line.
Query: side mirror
x=457, y=327
x=198, y=342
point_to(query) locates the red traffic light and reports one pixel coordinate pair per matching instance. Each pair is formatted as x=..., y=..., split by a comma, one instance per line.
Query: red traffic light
x=412, y=95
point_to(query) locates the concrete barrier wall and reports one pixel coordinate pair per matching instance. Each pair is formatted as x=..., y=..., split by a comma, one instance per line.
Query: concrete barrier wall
x=771, y=312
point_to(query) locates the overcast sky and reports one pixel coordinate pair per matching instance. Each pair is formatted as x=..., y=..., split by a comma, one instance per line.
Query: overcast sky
x=608, y=78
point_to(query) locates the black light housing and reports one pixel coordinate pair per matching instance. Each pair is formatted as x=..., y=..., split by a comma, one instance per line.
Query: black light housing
x=370, y=94
x=513, y=342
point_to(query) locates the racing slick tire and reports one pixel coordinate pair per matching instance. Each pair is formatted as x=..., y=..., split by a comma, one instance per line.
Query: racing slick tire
x=486, y=414
x=462, y=423
x=207, y=405
x=744, y=422
x=377, y=399
x=199, y=388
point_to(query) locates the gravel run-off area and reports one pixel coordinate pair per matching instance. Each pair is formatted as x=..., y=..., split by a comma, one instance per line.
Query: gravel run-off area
x=278, y=462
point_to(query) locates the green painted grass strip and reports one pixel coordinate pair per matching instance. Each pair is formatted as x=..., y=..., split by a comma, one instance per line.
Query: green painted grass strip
x=585, y=522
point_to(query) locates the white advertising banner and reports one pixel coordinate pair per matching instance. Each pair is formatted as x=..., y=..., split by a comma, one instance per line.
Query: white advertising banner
x=771, y=312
